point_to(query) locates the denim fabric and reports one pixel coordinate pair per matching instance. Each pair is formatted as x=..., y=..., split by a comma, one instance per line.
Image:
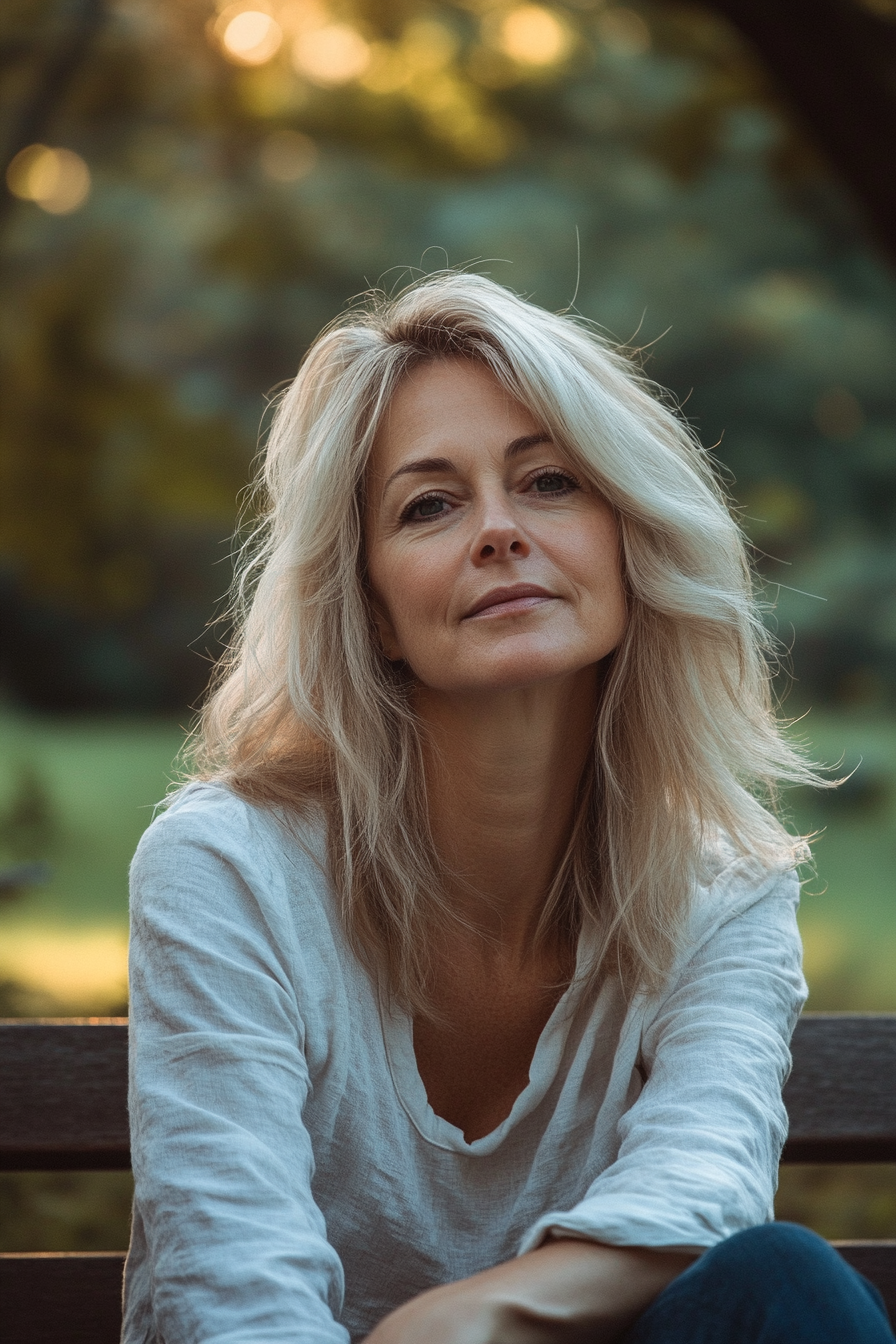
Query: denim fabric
x=775, y=1284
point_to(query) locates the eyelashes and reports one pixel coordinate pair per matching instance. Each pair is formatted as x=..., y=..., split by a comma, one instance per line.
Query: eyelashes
x=433, y=497
x=555, y=473
x=570, y=483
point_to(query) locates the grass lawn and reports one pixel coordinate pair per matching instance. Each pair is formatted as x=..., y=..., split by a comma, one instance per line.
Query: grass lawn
x=77, y=794
x=848, y=911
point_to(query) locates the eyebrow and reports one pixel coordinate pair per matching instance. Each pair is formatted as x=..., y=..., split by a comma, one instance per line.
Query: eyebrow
x=423, y=465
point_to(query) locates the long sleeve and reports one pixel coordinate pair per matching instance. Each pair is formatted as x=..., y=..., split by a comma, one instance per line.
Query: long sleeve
x=699, y=1148
x=228, y=1244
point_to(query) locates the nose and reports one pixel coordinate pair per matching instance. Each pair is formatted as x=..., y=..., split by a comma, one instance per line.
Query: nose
x=499, y=535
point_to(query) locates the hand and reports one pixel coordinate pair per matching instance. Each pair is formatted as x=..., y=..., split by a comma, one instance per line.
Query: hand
x=561, y=1293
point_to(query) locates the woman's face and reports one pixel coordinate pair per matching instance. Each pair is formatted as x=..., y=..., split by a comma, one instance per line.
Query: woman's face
x=493, y=564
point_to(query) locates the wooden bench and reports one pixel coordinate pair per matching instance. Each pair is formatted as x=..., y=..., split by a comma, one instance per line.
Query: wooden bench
x=63, y=1107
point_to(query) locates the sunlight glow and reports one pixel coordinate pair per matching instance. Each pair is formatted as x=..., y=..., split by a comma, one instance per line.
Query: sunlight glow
x=428, y=44
x=58, y=180
x=534, y=35
x=426, y=47
x=76, y=966
x=252, y=37
x=331, y=55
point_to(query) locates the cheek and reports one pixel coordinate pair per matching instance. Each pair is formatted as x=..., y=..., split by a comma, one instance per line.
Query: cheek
x=427, y=576
x=594, y=554
x=409, y=591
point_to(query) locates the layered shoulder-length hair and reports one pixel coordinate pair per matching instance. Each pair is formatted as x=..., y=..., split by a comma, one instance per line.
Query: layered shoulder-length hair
x=307, y=714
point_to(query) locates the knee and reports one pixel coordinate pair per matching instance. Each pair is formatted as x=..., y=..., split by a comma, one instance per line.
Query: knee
x=777, y=1246
x=774, y=1282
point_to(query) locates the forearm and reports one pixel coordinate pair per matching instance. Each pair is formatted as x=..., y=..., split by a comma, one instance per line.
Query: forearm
x=561, y=1293
x=568, y=1288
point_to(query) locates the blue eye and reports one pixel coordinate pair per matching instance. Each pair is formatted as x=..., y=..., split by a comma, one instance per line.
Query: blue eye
x=430, y=506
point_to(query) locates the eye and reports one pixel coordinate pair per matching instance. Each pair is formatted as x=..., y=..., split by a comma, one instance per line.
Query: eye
x=427, y=506
x=552, y=481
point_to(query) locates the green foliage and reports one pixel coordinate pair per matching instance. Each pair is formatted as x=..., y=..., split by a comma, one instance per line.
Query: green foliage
x=65, y=1211
x=96, y=454
x=842, y=1203
x=90, y=1211
x=236, y=207
x=29, y=825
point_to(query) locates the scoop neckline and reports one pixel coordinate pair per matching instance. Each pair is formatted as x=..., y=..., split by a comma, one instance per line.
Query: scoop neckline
x=398, y=1039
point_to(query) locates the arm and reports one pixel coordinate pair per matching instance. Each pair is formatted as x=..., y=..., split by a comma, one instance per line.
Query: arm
x=561, y=1293
x=698, y=1151
x=228, y=1243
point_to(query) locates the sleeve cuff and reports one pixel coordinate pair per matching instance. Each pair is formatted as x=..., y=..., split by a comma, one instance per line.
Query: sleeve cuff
x=630, y=1221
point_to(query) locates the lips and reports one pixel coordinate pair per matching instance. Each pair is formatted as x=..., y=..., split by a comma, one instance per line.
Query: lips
x=520, y=597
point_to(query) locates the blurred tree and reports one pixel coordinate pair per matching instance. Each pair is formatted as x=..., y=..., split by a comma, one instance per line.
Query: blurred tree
x=832, y=60
x=245, y=168
x=40, y=54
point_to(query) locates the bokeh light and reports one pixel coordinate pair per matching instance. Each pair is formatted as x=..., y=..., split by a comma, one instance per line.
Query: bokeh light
x=534, y=35
x=331, y=55
x=428, y=44
x=426, y=47
x=388, y=70
x=287, y=156
x=248, y=36
x=58, y=180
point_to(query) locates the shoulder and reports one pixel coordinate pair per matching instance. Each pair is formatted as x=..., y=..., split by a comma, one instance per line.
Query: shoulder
x=734, y=886
x=740, y=957
x=207, y=837
x=213, y=816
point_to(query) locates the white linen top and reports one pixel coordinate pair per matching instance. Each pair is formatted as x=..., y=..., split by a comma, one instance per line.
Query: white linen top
x=292, y=1181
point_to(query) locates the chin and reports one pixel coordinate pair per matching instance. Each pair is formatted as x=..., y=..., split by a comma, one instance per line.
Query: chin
x=506, y=674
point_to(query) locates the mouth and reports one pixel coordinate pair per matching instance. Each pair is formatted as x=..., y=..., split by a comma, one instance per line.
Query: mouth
x=513, y=601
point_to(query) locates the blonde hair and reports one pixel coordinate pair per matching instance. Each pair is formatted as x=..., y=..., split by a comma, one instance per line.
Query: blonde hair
x=307, y=712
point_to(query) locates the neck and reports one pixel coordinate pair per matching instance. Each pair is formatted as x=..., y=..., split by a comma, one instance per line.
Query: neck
x=502, y=770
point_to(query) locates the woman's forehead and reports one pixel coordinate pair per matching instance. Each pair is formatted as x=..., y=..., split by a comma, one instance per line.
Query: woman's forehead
x=443, y=402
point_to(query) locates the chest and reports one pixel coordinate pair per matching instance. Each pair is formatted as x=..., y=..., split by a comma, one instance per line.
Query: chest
x=475, y=1060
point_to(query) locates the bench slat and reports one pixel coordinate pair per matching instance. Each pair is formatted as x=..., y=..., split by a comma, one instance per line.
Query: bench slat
x=877, y=1261
x=841, y=1095
x=76, y=1299
x=61, y=1298
x=63, y=1100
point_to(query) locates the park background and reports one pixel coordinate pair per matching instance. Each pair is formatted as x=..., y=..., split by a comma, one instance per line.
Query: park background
x=192, y=192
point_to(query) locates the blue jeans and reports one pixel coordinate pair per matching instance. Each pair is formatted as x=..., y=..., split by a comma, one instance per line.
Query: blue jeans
x=776, y=1284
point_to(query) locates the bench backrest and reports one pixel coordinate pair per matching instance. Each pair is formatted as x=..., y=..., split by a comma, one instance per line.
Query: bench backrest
x=63, y=1100
x=63, y=1107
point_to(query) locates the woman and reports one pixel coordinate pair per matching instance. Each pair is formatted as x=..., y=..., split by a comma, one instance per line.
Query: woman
x=464, y=971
